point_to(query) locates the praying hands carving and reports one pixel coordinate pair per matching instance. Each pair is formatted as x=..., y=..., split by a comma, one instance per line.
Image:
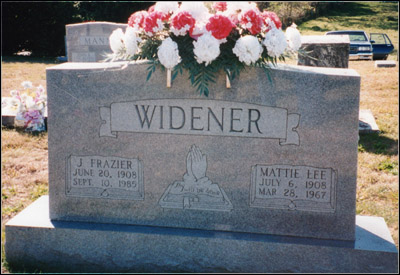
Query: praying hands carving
x=196, y=164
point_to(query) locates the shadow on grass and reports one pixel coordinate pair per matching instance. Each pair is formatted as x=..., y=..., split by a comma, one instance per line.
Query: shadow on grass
x=29, y=59
x=377, y=144
x=350, y=9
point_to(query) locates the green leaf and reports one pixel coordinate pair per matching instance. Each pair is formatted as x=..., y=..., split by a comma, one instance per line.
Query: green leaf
x=149, y=75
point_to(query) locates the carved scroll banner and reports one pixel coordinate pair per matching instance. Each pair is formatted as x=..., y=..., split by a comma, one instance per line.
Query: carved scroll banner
x=200, y=117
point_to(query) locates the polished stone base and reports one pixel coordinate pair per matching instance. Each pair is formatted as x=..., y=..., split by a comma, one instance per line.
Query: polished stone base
x=34, y=242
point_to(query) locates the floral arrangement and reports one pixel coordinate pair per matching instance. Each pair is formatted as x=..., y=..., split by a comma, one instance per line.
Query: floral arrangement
x=30, y=104
x=225, y=36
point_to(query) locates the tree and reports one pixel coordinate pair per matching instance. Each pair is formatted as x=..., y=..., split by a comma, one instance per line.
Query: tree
x=40, y=26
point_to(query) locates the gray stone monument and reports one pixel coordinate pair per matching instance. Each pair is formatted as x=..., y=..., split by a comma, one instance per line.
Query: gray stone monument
x=385, y=63
x=89, y=42
x=367, y=122
x=325, y=51
x=258, y=178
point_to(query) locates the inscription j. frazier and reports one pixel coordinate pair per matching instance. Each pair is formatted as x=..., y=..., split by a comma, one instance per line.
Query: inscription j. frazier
x=104, y=177
x=293, y=187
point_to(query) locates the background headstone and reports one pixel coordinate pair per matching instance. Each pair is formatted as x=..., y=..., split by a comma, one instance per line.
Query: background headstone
x=385, y=63
x=325, y=51
x=367, y=122
x=9, y=112
x=89, y=42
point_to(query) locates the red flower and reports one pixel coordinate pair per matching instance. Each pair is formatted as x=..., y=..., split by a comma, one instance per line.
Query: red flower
x=220, y=26
x=183, y=22
x=274, y=18
x=252, y=21
x=137, y=19
x=151, y=9
x=153, y=22
x=220, y=6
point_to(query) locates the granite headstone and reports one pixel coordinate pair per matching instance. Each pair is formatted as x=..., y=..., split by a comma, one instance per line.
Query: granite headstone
x=89, y=42
x=324, y=51
x=385, y=63
x=258, y=178
x=256, y=160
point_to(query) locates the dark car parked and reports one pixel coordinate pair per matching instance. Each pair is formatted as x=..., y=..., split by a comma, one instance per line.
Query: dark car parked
x=378, y=46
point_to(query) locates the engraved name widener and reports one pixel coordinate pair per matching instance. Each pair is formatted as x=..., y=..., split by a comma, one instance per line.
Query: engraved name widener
x=200, y=117
x=104, y=177
x=290, y=187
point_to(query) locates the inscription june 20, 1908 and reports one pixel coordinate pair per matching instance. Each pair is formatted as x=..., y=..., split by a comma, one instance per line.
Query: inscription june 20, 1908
x=293, y=187
x=104, y=177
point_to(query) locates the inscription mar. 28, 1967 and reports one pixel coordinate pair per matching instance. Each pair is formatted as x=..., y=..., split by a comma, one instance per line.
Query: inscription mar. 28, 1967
x=104, y=177
x=290, y=187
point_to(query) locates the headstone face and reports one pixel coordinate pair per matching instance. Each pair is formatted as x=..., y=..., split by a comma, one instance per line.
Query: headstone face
x=325, y=51
x=274, y=158
x=88, y=42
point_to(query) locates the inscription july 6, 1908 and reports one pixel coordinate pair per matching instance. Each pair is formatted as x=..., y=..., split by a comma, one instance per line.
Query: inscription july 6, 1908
x=293, y=187
x=104, y=177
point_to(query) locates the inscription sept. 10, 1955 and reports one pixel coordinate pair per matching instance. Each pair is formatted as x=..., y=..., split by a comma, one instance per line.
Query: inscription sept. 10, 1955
x=104, y=177
x=293, y=187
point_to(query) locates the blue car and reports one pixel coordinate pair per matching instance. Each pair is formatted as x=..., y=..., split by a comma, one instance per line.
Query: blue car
x=381, y=45
x=378, y=46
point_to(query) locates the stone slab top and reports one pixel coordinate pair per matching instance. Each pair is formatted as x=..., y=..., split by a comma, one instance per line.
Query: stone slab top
x=367, y=123
x=88, y=65
x=122, y=64
x=325, y=39
x=95, y=23
x=385, y=63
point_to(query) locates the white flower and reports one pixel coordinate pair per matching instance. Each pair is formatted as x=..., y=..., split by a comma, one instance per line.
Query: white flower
x=14, y=93
x=236, y=6
x=248, y=49
x=275, y=42
x=293, y=37
x=27, y=84
x=166, y=7
x=197, y=10
x=206, y=49
x=30, y=103
x=168, y=53
x=117, y=40
x=131, y=41
x=199, y=29
x=181, y=31
x=40, y=89
x=13, y=103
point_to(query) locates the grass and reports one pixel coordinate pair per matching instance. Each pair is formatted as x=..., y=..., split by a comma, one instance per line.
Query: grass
x=371, y=17
x=378, y=162
x=17, y=69
x=24, y=156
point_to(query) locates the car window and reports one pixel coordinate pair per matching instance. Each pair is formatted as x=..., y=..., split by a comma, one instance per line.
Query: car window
x=378, y=38
x=357, y=37
x=387, y=39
